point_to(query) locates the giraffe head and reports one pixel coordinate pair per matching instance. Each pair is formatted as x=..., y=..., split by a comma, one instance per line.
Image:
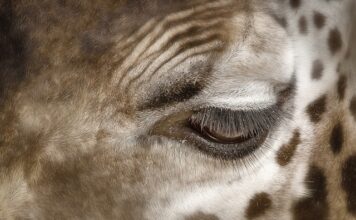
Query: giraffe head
x=165, y=109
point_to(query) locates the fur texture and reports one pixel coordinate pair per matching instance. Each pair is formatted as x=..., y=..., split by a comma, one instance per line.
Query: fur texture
x=97, y=97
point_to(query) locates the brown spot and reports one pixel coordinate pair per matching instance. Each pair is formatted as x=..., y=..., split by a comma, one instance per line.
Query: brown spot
x=319, y=20
x=337, y=138
x=314, y=206
x=334, y=41
x=286, y=152
x=316, y=109
x=353, y=106
x=317, y=69
x=341, y=86
x=287, y=93
x=303, y=25
x=349, y=183
x=281, y=21
x=295, y=3
x=258, y=205
x=201, y=216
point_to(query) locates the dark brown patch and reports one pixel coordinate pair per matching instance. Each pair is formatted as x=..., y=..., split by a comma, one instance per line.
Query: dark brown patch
x=281, y=21
x=317, y=69
x=315, y=206
x=319, y=20
x=303, y=25
x=13, y=51
x=337, y=138
x=287, y=93
x=334, y=41
x=286, y=152
x=349, y=183
x=258, y=205
x=353, y=106
x=295, y=3
x=316, y=109
x=201, y=216
x=341, y=86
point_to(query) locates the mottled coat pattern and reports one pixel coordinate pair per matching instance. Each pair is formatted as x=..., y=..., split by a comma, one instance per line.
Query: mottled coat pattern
x=178, y=109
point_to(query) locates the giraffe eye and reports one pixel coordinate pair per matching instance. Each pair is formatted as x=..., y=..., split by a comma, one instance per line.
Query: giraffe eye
x=230, y=134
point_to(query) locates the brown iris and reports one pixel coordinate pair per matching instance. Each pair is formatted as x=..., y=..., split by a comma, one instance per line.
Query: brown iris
x=225, y=137
x=220, y=136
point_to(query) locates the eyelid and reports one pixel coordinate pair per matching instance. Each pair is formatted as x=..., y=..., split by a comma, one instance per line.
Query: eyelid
x=251, y=120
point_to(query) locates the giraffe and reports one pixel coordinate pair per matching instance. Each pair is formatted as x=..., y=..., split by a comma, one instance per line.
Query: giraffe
x=167, y=109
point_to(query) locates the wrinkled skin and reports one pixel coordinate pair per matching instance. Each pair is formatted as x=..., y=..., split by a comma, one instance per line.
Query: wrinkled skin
x=97, y=100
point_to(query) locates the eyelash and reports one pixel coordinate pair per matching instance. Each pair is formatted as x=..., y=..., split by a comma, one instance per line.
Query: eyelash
x=256, y=124
x=251, y=122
